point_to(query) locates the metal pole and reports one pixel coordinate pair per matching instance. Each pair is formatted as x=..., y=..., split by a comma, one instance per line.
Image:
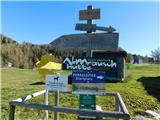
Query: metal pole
x=46, y=103
x=56, y=103
x=12, y=112
x=124, y=69
x=122, y=105
x=117, y=104
x=118, y=109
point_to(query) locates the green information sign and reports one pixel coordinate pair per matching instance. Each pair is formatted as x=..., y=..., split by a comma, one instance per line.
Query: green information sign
x=87, y=102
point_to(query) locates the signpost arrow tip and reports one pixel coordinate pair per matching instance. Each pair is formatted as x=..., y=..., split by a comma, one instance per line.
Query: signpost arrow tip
x=100, y=77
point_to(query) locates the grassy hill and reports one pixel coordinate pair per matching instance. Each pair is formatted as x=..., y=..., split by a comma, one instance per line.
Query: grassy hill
x=140, y=91
x=23, y=55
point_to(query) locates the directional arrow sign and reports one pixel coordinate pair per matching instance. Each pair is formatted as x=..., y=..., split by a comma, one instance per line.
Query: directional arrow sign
x=93, y=28
x=88, y=82
x=100, y=77
x=88, y=77
x=85, y=27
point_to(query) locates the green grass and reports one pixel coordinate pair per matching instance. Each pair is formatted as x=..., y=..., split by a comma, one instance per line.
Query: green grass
x=140, y=91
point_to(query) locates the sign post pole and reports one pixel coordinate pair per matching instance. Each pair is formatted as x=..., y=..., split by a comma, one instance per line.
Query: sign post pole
x=56, y=103
x=56, y=83
x=88, y=54
x=46, y=103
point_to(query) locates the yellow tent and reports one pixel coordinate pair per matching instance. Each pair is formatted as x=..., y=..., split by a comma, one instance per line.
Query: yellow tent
x=47, y=66
x=52, y=65
x=44, y=60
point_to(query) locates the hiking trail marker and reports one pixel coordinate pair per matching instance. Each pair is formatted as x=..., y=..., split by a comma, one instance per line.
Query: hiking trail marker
x=89, y=15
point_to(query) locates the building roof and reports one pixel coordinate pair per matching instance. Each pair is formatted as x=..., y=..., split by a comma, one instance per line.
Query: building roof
x=93, y=41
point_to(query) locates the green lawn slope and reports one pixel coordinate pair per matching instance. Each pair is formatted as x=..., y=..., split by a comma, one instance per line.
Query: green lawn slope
x=140, y=91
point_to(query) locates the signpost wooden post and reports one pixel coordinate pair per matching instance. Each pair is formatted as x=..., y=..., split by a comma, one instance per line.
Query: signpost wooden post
x=90, y=14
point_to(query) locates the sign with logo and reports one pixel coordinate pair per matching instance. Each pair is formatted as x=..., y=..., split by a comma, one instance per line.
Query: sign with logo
x=88, y=82
x=112, y=66
x=87, y=102
x=56, y=83
x=72, y=63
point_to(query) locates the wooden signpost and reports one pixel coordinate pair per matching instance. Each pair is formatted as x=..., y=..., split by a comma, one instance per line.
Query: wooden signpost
x=89, y=14
x=93, y=28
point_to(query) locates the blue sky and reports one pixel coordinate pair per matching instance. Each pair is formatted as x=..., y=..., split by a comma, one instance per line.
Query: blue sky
x=41, y=22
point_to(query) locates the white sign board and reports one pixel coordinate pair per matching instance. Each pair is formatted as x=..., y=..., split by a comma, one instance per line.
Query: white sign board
x=56, y=83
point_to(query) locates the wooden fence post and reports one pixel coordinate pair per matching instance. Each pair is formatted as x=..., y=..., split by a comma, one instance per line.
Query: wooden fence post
x=12, y=112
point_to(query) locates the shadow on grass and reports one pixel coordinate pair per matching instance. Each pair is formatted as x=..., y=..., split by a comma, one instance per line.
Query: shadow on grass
x=152, y=85
x=37, y=83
